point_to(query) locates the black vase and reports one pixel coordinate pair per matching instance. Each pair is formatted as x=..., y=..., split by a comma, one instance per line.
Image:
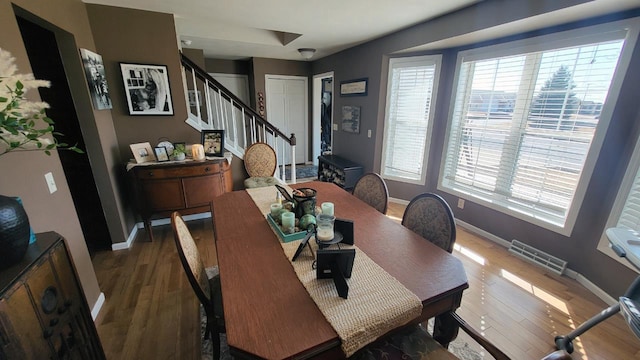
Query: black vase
x=14, y=231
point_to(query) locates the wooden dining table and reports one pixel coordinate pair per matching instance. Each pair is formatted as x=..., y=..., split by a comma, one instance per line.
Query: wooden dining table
x=268, y=312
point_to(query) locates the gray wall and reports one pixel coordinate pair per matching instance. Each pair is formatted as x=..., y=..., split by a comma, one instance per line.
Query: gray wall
x=370, y=60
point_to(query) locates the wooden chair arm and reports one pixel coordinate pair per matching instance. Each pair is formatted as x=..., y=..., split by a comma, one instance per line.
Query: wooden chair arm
x=492, y=349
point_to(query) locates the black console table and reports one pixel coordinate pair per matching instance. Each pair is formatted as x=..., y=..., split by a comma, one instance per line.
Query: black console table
x=342, y=172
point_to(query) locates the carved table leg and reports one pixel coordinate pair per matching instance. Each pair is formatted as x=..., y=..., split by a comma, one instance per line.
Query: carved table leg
x=445, y=329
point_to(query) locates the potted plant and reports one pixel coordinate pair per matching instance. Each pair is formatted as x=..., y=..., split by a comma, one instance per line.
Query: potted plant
x=179, y=152
x=24, y=124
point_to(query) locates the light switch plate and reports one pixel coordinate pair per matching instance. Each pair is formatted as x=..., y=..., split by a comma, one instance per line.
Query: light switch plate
x=369, y=133
x=51, y=183
x=335, y=127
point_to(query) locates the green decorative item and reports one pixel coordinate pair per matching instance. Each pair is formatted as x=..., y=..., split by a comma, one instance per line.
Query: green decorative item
x=306, y=220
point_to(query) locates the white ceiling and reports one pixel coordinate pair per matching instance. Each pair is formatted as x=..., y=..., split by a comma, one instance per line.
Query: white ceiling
x=237, y=29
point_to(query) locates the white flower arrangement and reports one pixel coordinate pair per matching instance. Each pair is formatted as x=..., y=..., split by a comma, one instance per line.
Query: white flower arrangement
x=21, y=120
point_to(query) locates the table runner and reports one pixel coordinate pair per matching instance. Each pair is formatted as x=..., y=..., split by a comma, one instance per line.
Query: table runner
x=377, y=303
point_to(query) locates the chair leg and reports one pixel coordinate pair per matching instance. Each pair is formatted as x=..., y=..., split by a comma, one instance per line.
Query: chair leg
x=215, y=340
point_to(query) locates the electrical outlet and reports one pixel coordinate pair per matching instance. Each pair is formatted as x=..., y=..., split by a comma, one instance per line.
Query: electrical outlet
x=369, y=133
x=461, y=203
x=51, y=183
x=335, y=127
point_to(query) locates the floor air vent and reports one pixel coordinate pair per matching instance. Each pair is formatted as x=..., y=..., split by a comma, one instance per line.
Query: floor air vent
x=538, y=257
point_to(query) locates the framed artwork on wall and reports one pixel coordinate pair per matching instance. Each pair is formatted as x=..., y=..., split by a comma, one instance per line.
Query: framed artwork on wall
x=357, y=87
x=147, y=89
x=96, y=79
x=351, y=119
x=213, y=142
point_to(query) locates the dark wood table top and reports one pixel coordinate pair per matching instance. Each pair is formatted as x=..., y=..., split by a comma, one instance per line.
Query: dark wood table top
x=269, y=314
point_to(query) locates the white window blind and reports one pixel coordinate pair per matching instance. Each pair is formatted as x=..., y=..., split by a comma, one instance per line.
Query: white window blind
x=410, y=99
x=522, y=125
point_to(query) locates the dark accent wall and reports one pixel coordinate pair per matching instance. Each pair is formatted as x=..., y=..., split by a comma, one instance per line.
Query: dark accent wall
x=241, y=67
x=370, y=60
x=22, y=173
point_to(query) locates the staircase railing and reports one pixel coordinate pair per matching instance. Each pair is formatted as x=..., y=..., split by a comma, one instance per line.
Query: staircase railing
x=212, y=106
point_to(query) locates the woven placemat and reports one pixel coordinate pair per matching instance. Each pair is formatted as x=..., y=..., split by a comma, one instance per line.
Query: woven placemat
x=377, y=301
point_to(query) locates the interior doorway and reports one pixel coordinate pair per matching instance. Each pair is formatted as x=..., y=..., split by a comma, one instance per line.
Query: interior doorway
x=322, y=115
x=287, y=109
x=46, y=63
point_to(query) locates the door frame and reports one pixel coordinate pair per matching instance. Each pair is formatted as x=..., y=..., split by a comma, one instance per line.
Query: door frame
x=268, y=77
x=317, y=107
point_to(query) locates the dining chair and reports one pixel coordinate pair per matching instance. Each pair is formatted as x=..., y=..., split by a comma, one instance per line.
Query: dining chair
x=372, y=189
x=260, y=162
x=430, y=216
x=205, y=282
x=414, y=342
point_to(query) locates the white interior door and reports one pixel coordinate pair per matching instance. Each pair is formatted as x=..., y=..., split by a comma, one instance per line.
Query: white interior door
x=287, y=109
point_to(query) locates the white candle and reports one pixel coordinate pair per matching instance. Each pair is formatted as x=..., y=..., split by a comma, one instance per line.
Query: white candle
x=327, y=208
x=325, y=234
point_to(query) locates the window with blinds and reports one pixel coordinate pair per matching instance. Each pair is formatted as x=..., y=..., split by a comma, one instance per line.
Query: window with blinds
x=523, y=122
x=411, y=93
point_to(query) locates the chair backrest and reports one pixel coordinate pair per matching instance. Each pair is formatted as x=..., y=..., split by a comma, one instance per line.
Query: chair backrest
x=190, y=258
x=260, y=160
x=430, y=216
x=372, y=189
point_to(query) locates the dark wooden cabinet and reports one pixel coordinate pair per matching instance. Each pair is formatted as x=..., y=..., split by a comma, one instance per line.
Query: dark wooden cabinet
x=43, y=311
x=342, y=172
x=187, y=187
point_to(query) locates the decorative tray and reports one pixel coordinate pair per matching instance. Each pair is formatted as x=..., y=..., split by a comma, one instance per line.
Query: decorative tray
x=285, y=237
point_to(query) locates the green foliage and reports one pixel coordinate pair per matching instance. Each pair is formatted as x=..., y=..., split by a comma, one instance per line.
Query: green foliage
x=24, y=124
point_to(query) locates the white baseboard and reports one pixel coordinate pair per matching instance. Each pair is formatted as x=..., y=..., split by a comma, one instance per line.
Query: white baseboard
x=572, y=274
x=157, y=222
x=398, y=201
x=97, y=306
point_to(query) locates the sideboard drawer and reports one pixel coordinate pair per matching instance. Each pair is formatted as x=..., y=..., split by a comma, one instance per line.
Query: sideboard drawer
x=148, y=172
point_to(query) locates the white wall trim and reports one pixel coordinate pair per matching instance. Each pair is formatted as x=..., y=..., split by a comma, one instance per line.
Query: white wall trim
x=97, y=306
x=398, y=201
x=572, y=274
x=157, y=222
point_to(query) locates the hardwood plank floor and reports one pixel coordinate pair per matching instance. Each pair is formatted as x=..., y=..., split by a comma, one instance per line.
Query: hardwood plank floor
x=151, y=312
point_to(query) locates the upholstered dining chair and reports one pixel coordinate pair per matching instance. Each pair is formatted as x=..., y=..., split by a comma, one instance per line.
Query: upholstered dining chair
x=430, y=216
x=414, y=342
x=372, y=189
x=205, y=282
x=260, y=162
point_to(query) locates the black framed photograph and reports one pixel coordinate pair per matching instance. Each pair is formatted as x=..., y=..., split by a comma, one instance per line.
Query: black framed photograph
x=161, y=153
x=147, y=89
x=351, y=119
x=213, y=142
x=357, y=87
x=96, y=79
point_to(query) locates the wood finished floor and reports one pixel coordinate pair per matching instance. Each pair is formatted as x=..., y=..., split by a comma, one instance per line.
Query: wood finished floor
x=151, y=312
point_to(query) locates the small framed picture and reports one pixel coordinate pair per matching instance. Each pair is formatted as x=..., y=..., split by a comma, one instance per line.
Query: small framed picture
x=142, y=152
x=161, y=153
x=96, y=79
x=213, y=142
x=147, y=89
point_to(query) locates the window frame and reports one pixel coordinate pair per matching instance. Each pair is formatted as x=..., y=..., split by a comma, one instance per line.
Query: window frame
x=575, y=37
x=436, y=60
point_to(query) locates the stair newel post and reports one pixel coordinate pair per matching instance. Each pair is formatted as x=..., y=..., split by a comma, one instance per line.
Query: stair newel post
x=292, y=140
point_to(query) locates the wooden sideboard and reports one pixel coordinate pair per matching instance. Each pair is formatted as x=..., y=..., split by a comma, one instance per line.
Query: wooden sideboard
x=43, y=311
x=187, y=187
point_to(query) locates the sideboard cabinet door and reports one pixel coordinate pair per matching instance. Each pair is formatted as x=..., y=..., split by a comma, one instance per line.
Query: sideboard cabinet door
x=43, y=311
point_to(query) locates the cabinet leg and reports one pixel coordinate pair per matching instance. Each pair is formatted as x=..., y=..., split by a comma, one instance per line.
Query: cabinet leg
x=147, y=227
